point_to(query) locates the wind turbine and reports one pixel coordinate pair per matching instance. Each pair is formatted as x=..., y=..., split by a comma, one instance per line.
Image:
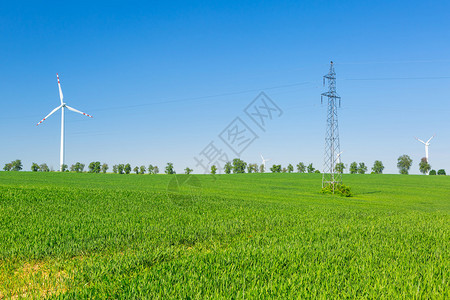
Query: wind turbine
x=264, y=162
x=427, y=144
x=62, y=106
x=339, y=157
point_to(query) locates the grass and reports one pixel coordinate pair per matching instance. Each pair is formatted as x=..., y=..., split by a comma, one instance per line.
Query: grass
x=230, y=236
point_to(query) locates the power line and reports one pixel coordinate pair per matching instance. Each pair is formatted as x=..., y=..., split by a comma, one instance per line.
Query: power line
x=260, y=89
x=394, y=62
x=203, y=97
x=398, y=78
x=247, y=91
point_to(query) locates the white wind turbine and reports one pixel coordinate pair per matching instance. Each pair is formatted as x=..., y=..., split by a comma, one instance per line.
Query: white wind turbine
x=427, y=144
x=264, y=162
x=339, y=157
x=62, y=106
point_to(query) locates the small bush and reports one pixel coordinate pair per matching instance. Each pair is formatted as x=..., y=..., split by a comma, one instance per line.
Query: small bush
x=441, y=172
x=432, y=172
x=339, y=189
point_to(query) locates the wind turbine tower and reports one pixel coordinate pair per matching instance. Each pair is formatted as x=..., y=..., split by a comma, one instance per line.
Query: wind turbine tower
x=339, y=157
x=427, y=144
x=264, y=162
x=62, y=106
x=332, y=148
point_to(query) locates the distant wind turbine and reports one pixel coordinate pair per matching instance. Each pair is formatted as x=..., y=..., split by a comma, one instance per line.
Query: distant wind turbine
x=264, y=162
x=62, y=106
x=339, y=157
x=427, y=144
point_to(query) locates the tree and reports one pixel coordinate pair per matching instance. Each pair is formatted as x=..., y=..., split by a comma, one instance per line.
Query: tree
x=213, y=169
x=17, y=165
x=441, y=172
x=78, y=167
x=262, y=168
x=105, y=167
x=228, y=167
x=44, y=168
x=432, y=172
x=150, y=169
x=34, y=167
x=353, y=168
x=252, y=168
x=239, y=165
x=284, y=170
x=142, y=170
x=188, y=171
x=127, y=169
x=340, y=167
x=169, y=168
x=404, y=162
x=276, y=169
x=317, y=171
x=120, y=168
x=136, y=170
x=301, y=168
x=362, y=169
x=115, y=169
x=424, y=166
x=155, y=170
x=64, y=168
x=310, y=168
x=377, y=167
x=290, y=168
x=94, y=167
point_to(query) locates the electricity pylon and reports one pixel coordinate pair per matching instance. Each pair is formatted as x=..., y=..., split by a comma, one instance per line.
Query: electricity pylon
x=332, y=148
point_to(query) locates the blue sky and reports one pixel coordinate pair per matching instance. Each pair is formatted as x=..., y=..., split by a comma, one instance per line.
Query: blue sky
x=164, y=79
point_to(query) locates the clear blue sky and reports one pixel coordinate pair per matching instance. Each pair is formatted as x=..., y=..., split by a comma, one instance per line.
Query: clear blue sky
x=163, y=79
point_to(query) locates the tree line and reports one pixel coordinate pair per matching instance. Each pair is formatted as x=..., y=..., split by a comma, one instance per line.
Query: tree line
x=404, y=164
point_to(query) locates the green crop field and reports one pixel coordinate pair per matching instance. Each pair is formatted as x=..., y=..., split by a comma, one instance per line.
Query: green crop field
x=229, y=236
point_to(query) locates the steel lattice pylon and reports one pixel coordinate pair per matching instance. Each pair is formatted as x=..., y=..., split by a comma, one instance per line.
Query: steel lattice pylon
x=332, y=147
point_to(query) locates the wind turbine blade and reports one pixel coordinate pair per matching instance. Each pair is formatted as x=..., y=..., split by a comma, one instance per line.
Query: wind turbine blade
x=420, y=141
x=49, y=115
x=77, y=111
x=262, y=157
x=61, y=97
x=430, y=138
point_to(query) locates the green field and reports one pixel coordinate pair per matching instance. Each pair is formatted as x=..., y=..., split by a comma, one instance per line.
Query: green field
x=232, y=236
